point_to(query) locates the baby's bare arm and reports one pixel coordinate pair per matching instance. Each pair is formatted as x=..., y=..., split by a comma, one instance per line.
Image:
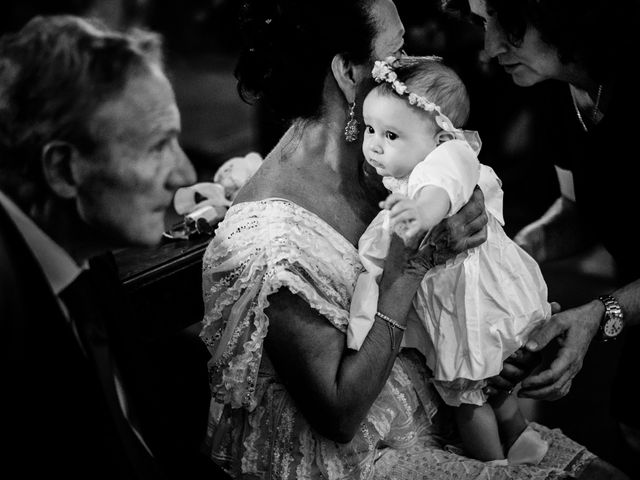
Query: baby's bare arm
x=413, y=218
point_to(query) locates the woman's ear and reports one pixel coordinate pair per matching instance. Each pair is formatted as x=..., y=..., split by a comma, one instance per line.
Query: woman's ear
x=444, y=136
x=346, y=75
x=56, y=159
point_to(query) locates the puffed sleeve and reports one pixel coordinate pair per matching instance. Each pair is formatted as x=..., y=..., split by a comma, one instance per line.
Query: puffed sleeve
x=257, y=250
x=454, y=167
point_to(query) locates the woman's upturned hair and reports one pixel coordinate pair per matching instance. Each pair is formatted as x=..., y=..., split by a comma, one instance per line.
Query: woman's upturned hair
x=54, y=74
x=288, y=46
x=595, y=33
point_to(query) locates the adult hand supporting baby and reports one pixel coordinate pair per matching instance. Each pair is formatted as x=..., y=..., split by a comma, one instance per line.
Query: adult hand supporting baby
x=517, y=367
x=466, y=229
x=572, y=331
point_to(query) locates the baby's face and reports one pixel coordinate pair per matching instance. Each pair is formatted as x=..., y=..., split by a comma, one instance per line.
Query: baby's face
x=397, y=135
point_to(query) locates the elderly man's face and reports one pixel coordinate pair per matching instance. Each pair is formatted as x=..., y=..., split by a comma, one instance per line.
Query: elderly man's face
x=125, y=190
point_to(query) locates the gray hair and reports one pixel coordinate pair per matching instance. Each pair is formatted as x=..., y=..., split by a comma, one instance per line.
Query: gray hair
x=54, y=74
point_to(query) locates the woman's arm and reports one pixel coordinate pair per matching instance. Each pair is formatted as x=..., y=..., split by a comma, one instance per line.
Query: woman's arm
x=559, y=232
x=466, y=229
x=574, y=328
x=333, y=386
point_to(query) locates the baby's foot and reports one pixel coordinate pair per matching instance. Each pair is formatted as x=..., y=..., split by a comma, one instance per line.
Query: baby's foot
x=529, y=448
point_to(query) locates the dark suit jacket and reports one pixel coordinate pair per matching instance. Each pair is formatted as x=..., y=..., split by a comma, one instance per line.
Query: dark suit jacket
x=54, y=420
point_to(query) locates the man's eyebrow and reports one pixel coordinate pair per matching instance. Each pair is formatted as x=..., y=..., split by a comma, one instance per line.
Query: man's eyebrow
x=160, y=131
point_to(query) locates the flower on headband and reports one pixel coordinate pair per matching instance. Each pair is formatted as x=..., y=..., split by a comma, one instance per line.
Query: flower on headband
x=421, y=102
x=399, y=87
x=383, y=72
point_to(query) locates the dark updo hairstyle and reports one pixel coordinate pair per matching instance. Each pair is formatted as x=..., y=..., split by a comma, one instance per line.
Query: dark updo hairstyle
x=288, y=48
x=595, y=33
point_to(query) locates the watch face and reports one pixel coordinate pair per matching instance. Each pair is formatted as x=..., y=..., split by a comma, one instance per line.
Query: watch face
x=612, y=327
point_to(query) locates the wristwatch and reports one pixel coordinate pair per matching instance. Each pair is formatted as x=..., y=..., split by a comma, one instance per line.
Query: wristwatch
x=612, y=321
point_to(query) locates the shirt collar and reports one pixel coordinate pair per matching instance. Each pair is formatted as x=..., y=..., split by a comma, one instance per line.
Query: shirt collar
x=58, y=266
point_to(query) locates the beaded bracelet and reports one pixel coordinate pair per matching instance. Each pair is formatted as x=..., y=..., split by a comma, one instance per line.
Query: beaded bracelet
x=390, y=321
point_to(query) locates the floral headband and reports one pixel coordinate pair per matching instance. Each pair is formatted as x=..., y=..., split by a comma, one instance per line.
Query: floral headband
x=384, y=72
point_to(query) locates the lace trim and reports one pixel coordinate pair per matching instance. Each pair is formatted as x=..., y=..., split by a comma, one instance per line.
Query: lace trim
x=396, y=185
x=259, y=249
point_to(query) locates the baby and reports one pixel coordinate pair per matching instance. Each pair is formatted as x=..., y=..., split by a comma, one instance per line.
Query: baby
x=477, y=309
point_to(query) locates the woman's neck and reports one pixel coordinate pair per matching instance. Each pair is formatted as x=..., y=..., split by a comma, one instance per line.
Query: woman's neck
x=313, y=166
x=310, y=156
x=321, y=146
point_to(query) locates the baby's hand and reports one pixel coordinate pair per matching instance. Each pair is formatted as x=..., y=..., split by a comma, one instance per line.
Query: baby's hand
x=404, y=217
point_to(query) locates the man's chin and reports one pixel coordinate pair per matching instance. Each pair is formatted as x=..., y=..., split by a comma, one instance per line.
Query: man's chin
x=137, y=239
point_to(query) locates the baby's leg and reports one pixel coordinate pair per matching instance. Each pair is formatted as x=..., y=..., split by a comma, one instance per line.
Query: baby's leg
x=479, y=431
x=511, y=422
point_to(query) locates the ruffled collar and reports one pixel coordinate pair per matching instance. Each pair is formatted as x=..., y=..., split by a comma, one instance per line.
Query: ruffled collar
x=396, y=185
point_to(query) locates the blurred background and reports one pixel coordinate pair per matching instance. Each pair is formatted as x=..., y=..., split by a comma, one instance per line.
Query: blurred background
x=201, y=45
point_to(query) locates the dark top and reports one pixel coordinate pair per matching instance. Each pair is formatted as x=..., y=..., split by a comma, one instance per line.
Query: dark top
x=605, y=163
x=56, y=420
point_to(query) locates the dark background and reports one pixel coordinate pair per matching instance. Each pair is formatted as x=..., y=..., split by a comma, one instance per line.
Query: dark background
x=201, y=48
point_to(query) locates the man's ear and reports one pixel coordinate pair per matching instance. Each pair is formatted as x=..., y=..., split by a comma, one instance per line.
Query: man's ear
x=444, y=136
x=346, y=75
x=56, y=159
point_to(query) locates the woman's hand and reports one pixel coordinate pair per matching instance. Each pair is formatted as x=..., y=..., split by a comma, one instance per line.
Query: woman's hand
x=411, y=259
x=517, y=367
x=466, y=229
x=573, y=329
x=514, y=369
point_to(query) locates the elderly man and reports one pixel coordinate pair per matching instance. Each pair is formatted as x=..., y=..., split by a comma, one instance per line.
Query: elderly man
x=89, y=161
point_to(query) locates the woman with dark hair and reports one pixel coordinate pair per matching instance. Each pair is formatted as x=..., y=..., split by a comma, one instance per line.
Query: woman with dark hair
x=588, y=48
x=289, y=400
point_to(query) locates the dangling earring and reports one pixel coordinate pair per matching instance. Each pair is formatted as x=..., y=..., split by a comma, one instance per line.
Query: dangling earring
x=351, y=130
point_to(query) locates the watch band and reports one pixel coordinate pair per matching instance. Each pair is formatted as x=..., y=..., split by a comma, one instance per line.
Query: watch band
x=613, y=319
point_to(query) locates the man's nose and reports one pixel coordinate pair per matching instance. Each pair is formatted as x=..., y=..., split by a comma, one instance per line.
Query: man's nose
x=183, y=173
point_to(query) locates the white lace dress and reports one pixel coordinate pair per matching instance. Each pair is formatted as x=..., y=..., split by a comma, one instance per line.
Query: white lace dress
x=255, y=429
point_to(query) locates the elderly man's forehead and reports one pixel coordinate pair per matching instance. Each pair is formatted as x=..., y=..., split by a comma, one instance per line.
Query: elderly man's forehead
x=145, y=107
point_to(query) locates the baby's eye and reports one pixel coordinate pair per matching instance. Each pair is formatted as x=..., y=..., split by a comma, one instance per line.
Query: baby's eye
x=369, y=129
x=391, y=136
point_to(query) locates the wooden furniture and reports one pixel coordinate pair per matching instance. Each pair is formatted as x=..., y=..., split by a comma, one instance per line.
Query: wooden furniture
x=164, y=283
x=163, y=289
